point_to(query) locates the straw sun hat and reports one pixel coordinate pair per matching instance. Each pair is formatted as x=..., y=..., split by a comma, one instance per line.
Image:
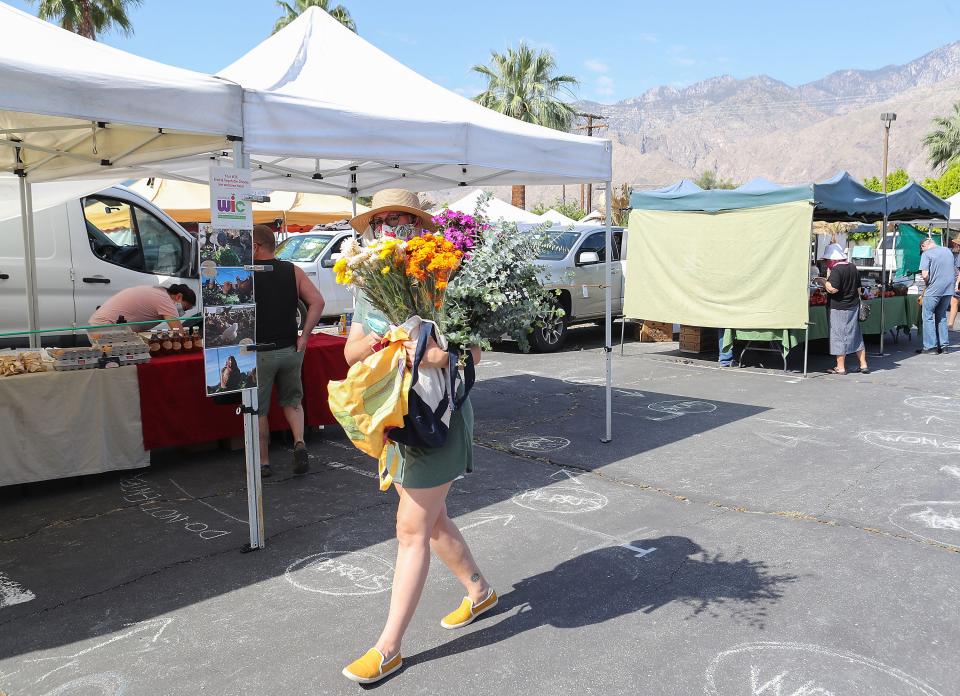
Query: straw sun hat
x=393, y=200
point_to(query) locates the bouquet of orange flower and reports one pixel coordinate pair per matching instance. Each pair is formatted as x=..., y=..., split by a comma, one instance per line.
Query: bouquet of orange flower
x=401, y=278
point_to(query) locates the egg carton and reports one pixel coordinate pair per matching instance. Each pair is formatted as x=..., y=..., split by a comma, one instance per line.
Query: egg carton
x=133, y=347
x=70, y=364
x=73, y=354
x=111, y=335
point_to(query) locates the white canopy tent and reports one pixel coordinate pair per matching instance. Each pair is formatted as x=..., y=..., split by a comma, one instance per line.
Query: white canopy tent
x=557, y=218
x=495, y=208
x=75, y=108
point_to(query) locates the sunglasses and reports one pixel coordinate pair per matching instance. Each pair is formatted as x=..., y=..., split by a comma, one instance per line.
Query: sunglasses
x=392, y=220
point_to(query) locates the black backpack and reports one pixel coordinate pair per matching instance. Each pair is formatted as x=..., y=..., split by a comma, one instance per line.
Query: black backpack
x=423, y=426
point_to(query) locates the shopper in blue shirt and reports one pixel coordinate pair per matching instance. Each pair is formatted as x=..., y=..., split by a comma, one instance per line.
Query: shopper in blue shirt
x=937, y=269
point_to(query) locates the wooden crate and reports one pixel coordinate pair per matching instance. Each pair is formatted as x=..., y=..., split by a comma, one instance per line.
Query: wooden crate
x=656, y=332
x=698, y=339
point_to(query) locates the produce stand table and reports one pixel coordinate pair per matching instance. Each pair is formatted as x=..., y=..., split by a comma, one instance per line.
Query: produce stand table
x=59, y=424
x=177, y=412
x=900, y=311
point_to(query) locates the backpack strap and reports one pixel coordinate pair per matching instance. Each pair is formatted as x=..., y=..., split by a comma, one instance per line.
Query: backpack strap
x=421, y=350
x=468, y=378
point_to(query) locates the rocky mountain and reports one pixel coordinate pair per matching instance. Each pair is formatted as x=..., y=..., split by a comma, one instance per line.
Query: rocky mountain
x=759, y=126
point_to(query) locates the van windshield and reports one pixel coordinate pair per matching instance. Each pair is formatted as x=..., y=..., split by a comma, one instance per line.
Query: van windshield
x=559, y=246
x=303, y=247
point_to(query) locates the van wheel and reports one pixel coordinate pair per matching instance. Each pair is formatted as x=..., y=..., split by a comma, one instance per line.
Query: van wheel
x=550, y=337
x=301, y=314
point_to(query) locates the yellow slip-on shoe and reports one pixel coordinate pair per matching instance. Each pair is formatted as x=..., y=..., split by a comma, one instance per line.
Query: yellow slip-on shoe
x=468, y=611
x=372, y=667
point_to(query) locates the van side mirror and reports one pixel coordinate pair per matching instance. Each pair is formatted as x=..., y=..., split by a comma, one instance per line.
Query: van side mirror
x=329, y=262
x=585, y=258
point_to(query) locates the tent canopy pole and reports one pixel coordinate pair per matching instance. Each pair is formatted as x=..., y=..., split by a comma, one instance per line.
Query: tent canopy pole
x=608, y=323
x=29, y=255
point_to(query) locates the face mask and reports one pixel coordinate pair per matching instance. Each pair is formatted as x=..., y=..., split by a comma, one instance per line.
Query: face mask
x=400, y=231
x=179, y=307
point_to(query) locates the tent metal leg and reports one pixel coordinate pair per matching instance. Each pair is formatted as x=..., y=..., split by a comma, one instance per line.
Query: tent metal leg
x=806, y=351
x=29, y=258
x=251, y=441
x=608, y=339
x=623, y=330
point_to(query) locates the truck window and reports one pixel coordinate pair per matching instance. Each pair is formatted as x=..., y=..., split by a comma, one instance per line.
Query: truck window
x=303, y=247
x=595, y=242
x=129, y=236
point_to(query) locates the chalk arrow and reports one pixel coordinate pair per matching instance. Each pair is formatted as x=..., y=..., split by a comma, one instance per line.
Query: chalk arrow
x=932, y=418
x=570, y=476
x=506, y=519
x=792, y=424
x=638, y=552
x=157, y=625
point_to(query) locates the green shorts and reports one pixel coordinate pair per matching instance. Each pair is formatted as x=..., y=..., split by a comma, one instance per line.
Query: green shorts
x=281, y=366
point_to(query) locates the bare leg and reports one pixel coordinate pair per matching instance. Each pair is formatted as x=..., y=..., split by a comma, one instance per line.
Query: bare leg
x=841, y=362
x=954, y=304
x=294, y=416
x=264, y=440
x=447, y=542
x=416, y=517
x=862, y=357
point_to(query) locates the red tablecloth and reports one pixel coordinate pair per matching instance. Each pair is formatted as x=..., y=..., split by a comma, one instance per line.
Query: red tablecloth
x=176, y=412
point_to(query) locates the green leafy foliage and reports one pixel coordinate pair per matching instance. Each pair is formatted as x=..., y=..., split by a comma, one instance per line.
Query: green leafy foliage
x=947, y=184
x=895, y=180
x=571, y=209
x=711, y=180
x=943, y=142
x=88, y=17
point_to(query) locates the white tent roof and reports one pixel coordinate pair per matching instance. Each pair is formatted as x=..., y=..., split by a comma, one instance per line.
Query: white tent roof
x=495, y=208
x=78, y=106
x=557, y=218
x=954, y=202
x=318, y=99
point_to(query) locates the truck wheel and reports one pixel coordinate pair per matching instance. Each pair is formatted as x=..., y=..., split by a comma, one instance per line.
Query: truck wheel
x=550, y=337
x=301, y=314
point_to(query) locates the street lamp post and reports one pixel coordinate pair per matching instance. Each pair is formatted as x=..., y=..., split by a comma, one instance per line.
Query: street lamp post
x=888, y=118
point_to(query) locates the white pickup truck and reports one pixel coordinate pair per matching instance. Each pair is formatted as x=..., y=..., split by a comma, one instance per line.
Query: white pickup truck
x=315, y=252
x=88, y=249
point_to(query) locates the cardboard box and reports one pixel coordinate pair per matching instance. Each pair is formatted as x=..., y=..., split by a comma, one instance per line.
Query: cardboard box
x=698, y=339
x=656, y=332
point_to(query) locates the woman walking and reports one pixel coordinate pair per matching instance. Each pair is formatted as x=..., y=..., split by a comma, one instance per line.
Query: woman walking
x=843, y=304
x=423, y=476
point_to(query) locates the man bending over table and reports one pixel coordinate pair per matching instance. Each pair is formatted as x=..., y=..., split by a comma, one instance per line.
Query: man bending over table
x=277, y=293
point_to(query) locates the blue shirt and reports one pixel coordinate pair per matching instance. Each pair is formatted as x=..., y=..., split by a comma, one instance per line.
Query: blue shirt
x=941, y=276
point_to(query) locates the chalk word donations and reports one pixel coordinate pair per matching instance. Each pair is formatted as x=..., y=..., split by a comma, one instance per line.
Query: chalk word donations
x=539, y=443
x=916, y=443
x=341, y=573
x=153, y=503
x=937, y=521
x=566, y=500
x=797, y=669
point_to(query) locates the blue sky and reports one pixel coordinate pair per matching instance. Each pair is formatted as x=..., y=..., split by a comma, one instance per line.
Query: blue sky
x=214, y=360
x=618, y=49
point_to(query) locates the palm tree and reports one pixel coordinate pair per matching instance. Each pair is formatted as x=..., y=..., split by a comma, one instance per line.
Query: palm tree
x=523, y=83
x=298, y=7
x=88, y=17
x=943, y=142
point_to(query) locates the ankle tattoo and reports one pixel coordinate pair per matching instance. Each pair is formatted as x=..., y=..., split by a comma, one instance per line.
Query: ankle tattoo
x=475, y=577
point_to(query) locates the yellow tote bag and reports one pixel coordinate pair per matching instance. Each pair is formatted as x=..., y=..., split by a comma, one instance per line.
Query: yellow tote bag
x=373, y=399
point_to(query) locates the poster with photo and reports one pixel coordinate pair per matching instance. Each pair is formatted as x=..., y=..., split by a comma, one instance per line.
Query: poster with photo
x=229, y=369
x=223, y=287
x=229, y=326
x=224, y=247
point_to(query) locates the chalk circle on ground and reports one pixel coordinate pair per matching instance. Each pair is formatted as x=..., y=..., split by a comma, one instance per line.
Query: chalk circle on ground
x=945, y=404
x=797, y=668
x=588, y=380
x=341, y=573
x=934, y=520
x=539, y=443
x=682, y=406
x=913, y=442
x=565, y=500
x=208, y=269
x=101, y=684
x=489, y=363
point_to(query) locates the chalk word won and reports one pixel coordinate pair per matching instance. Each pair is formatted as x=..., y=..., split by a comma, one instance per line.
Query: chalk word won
x=539, y=443
x=136, y=490
x=101, y=684
x=797, y=669
x=565, y=500
x=905, y=441
x=341, y=573
x=937, y=521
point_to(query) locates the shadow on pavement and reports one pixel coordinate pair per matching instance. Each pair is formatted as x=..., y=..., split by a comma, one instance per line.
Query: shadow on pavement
x=593, y=588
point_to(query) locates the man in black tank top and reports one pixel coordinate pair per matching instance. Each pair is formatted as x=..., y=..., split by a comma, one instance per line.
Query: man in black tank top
x=277, y=293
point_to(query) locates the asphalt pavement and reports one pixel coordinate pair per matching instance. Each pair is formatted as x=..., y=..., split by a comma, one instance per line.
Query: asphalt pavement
x=746, y=532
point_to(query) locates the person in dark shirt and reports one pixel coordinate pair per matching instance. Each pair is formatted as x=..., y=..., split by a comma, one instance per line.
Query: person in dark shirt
x=276, y=293
x=843, y=304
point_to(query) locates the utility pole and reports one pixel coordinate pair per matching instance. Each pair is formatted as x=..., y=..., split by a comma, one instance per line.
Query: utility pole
x=888, y=118
x=587, y=204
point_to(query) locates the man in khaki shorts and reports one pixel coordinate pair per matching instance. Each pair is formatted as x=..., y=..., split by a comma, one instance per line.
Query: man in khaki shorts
x=277, y=294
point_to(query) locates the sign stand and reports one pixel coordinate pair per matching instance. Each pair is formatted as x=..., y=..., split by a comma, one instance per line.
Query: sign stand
x=251, y=441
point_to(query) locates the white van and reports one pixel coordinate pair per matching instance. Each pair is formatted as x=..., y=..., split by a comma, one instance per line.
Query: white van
x=87, y=250
x=315, y=252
